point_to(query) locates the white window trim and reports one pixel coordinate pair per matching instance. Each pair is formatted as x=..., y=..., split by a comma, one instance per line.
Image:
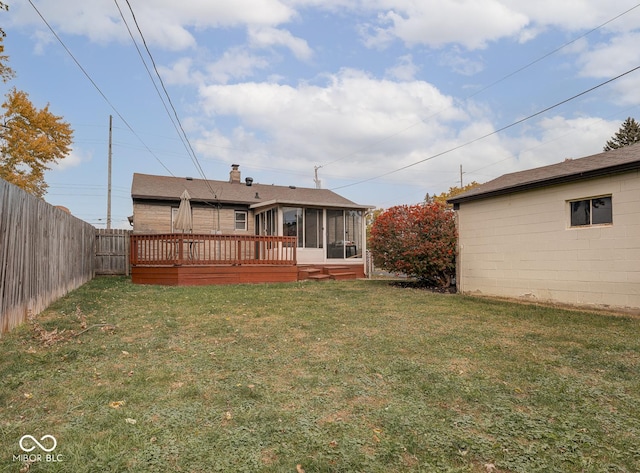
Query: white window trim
x=236, y=221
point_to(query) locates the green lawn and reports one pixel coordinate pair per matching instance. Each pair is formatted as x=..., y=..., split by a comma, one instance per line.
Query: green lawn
x=351, y=376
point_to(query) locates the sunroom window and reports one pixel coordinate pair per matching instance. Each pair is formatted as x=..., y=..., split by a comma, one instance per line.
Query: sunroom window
x=313, y=228
x=344, y=234
x=303, y=223
x=292, y=223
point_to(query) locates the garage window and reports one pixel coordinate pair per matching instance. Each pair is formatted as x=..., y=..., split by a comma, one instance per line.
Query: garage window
x=588, y=212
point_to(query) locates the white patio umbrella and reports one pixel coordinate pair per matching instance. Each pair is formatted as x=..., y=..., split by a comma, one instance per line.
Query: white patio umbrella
x=184, y=221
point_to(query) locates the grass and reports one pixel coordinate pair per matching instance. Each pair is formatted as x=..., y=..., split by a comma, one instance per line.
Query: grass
x=318, y=377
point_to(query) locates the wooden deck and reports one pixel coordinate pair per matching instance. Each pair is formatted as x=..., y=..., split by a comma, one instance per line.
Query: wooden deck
x=190, y=260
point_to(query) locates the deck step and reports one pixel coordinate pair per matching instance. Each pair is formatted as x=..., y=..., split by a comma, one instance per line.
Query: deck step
x=321, y=272
x=320, y=277
x=340, y=276
x=336, y=269
x=306, y=273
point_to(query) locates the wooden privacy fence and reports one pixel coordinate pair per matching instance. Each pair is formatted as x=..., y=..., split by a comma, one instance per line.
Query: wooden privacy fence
x=194, y=249
x=44, y=253
x=112, y=252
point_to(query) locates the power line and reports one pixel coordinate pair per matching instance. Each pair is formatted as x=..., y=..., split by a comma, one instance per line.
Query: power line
x=455, y=148
x=511, y=156
x=511, y=74
x=181, y=133
x=84, y=71
x=142, y=59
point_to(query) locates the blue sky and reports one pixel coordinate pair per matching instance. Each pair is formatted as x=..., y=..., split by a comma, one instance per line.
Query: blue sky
x=379, y=94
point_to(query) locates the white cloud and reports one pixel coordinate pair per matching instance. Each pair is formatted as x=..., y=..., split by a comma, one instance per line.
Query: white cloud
x=361, y=127
x=265, y=37
x=609, y=59
x=627, y=91
x=581, y=135
x=470, y=23
x=75, y=158
x=574, y=15
x=404, y=70
x=98, y=21
x=236, y=63
x=163, y=22
x=180, y=73
x=460, y=63
x=545, y=142
x=389, y=122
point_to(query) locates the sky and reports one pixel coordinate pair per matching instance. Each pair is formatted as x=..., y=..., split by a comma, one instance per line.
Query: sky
x=387, y=100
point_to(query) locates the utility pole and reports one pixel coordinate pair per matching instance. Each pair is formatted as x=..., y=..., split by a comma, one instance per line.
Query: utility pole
x=461, y=185
x=316, y=180
x=109, y=177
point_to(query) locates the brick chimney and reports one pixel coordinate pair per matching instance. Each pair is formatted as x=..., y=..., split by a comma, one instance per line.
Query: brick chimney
x=234, y=175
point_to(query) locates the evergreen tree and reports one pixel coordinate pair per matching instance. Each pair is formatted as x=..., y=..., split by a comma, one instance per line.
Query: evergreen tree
x=628, y=134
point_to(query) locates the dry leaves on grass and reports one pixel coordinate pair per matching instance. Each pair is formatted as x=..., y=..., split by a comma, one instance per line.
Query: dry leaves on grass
x=116, y=404
x=51, y=337
x=47, y=338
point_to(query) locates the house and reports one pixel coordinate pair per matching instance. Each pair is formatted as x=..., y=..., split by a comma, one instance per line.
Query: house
x=566, y=233
x=256, y=232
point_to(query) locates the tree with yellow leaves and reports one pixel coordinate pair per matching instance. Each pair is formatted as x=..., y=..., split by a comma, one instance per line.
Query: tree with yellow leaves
x=5, y=71
x=452, y=192
x=30, y=139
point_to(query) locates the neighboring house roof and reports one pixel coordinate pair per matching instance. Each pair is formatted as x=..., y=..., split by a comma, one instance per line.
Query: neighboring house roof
x=610, y=162
x=151, y=187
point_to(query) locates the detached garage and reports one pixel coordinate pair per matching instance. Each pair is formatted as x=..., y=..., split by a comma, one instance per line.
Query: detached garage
x=566, y=233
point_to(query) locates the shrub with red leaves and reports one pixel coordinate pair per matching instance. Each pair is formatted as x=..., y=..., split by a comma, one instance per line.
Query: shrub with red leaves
x=417, y=240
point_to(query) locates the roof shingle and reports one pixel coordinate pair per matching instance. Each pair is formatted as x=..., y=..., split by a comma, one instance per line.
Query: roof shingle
x=151, y=187
x=601, y=164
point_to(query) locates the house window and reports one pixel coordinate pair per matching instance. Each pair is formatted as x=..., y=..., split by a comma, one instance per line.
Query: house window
x=344, y=234
x=292, y=223
x=266, y=222
x=241, y=220
x=174, y=216
x=304, y=224
x=587, y=212
x=313, y=228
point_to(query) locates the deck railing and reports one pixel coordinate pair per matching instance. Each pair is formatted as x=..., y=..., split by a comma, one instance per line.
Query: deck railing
x=202, y=249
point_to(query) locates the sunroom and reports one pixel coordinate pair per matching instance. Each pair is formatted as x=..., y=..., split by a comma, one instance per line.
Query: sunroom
x=321, y=234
